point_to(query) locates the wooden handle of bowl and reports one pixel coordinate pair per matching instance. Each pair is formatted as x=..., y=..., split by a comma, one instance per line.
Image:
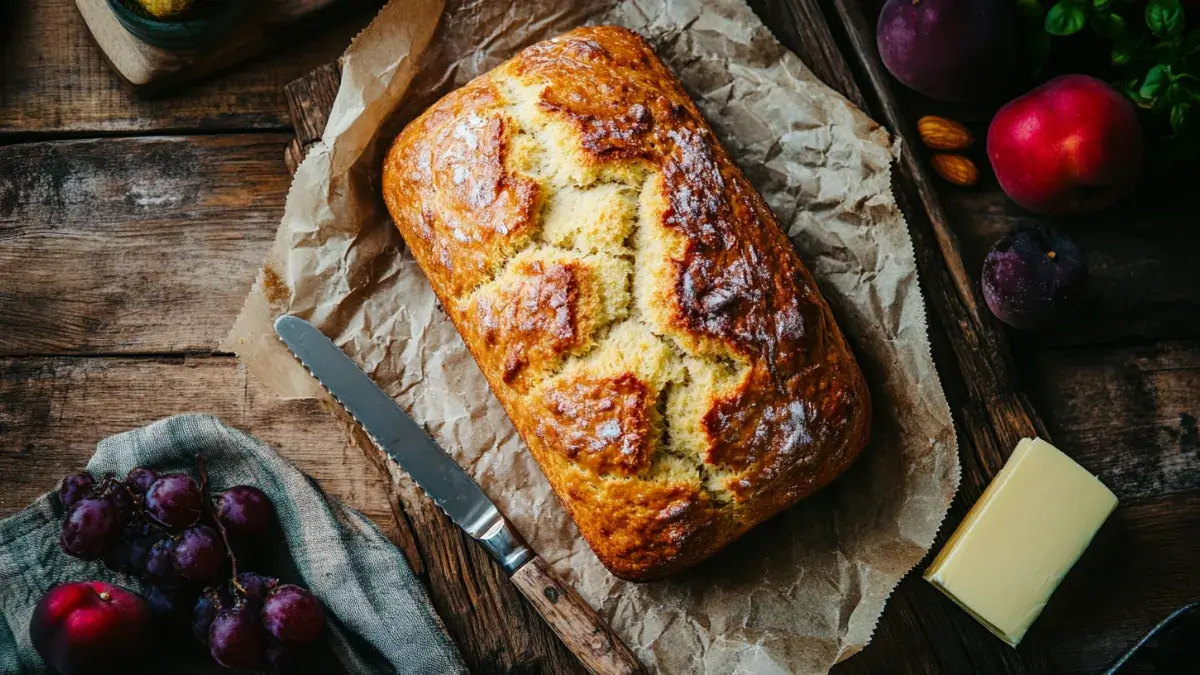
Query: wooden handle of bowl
x=574, y=621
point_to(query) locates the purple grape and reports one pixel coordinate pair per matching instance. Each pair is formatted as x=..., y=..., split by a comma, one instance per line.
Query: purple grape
x=127, y=554
x=74, y=488
x=236, y=639
x=198, y=553
x=165, y=604
x=257, y=587
x=174, y=501
x=160, y=565
x=245, y=511
x=89, y=527
x=203, y=613
x=140, y=479
x=116, y=556
x=293, y=615
x=124, y=503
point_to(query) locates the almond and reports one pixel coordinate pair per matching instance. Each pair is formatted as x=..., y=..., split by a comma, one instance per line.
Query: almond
x=940, y=133
x=956, y=168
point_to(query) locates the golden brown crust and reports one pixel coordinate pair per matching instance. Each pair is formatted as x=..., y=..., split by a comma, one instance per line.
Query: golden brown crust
x=602, y=424
x=633, y=302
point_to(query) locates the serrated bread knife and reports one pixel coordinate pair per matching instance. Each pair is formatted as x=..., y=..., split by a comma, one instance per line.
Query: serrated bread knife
x=390, y=427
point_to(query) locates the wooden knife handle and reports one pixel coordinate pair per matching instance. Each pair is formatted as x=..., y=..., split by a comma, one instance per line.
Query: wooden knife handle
x=574, y=621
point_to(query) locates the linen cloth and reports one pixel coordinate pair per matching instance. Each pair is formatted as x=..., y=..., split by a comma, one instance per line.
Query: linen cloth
x=380, y=618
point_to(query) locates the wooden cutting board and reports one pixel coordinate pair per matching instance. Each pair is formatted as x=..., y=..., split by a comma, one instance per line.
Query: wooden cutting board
x=486, y=617
x=267, y=24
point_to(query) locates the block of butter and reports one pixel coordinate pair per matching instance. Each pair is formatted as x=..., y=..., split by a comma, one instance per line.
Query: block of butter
x=1021, y=538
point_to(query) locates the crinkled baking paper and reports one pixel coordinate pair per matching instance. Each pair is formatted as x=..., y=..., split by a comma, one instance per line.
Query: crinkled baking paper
x=796, y=594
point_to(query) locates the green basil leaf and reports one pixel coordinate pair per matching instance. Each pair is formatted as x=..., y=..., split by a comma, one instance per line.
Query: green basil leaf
x=1165, y=18
x=1174, y=94
x=1101, y=5
x=1125, y=48
x=1155, y=79
x=1031, y=10
x=1108, y=26
x=1180, y=116
x=1066, y=18
x=1137, y=99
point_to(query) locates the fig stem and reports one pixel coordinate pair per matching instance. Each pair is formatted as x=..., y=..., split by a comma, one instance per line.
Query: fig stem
x=220, y=526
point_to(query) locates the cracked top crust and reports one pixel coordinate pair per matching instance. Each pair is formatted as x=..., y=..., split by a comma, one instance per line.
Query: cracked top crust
x=633, y=302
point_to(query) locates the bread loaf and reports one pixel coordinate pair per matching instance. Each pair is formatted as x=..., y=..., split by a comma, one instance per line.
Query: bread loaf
x=633, y=302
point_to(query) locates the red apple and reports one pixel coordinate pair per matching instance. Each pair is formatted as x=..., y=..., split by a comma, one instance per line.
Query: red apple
x=91, y=628
x=1072, y=145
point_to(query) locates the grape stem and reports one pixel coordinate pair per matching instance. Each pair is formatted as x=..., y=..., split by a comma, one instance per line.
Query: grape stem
x=220, y=526
x=110, y=482
x=139, y=504
x=104, y=484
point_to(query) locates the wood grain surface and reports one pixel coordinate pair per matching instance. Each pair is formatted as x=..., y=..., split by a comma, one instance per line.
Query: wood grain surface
x=53, y=410
x=588, y=637
x=53, y=79
x=145, y=66
x=991, y=411
x=496, y=629
x=989, y=404
x=115, y=290
x=133, y=245
x=310, y=99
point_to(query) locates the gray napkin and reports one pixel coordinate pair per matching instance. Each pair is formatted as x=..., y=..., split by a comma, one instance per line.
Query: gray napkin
x=380, y=617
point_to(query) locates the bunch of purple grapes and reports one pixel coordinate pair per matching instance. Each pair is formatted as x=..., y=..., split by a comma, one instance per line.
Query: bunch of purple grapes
x=169, y=532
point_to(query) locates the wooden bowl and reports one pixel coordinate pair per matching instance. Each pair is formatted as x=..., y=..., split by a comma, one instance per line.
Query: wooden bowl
x=187, y=33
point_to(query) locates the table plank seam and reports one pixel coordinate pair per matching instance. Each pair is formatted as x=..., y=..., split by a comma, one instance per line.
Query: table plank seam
x=119, y=355
x=15, y=138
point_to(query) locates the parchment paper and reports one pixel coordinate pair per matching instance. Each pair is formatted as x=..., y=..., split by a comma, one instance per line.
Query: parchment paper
x=796, y=594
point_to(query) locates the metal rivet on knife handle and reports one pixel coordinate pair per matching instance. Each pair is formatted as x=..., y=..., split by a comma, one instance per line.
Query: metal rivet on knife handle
x=574, y=621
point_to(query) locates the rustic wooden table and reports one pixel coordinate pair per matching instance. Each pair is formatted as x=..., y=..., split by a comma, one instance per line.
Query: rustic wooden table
x=131, y=229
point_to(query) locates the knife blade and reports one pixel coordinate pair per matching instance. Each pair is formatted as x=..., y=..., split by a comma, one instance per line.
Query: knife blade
x=406, y=442
x=460, y=497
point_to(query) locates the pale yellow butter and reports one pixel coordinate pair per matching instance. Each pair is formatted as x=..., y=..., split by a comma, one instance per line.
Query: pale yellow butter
x=1021, y=538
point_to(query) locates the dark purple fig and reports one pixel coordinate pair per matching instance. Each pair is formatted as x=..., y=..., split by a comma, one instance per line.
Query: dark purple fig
x=949, y=50
x=1034, y=278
